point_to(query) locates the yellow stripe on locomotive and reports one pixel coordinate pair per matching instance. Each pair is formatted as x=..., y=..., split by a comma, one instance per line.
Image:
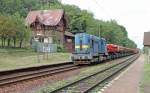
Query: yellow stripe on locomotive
x=83, y=46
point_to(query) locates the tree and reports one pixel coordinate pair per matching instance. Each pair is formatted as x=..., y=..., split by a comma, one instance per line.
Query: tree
x=77, y=21
x=13, y=28
x=10, y=7
x=7, y=29
x=22, y=32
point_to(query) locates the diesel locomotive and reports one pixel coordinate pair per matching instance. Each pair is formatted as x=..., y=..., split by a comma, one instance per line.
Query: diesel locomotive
x=90, y=48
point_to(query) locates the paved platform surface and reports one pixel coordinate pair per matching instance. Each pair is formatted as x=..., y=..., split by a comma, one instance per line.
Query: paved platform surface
x=128, y=81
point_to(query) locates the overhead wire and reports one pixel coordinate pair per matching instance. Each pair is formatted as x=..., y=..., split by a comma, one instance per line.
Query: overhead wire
x=101, y=7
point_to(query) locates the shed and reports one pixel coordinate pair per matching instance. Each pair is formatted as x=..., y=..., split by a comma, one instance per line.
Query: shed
x=146, y=39
x=146, y=42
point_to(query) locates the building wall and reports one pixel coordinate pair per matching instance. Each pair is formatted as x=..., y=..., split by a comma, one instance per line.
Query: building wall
x=52, y=34
x=55, y=34
x=69, y=44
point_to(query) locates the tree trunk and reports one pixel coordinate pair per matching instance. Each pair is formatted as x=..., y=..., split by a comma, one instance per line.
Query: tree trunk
x=14, y=41
x=4, y=41
x=20, y=44
x=8, y=43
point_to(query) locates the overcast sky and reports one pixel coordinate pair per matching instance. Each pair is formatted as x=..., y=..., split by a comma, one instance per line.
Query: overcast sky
x=134, y=15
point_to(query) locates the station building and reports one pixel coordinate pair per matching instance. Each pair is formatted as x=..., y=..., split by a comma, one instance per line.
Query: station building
x=50, y=27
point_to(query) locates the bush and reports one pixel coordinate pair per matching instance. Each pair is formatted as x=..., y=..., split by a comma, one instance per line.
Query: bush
x=60, y=48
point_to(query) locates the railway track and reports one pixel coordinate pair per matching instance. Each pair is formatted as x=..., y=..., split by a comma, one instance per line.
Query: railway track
x=17, y=75
x=88, y=83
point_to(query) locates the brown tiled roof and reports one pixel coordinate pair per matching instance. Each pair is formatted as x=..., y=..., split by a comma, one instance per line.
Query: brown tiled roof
x=46, y=17
x=146, y=39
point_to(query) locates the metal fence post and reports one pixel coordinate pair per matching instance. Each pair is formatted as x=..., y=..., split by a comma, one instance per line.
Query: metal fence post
x=38, y=53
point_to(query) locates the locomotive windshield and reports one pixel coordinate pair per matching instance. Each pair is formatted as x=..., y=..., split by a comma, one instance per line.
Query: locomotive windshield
x=81, y=43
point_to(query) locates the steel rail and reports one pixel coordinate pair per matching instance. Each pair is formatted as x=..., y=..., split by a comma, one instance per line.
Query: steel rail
x=89, y=76
x=110, y=76
x=16, y=75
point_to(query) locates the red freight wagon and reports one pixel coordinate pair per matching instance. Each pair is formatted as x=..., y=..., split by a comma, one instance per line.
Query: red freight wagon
x=111, y=48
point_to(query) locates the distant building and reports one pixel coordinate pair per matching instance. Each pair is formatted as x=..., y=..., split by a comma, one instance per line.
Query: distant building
x=146, y=39
x=146, y=42
x=49, y=26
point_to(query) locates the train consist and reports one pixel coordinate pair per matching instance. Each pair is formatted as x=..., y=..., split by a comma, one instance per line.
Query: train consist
x=90, y=48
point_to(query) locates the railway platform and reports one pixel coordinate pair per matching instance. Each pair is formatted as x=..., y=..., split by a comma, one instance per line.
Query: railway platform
x=128, y=81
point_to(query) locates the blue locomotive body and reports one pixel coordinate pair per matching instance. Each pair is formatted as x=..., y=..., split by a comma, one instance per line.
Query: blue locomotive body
x=88, y=48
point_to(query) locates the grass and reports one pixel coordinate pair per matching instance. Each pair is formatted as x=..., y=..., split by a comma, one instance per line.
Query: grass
x=145, y=83
x=15, y=58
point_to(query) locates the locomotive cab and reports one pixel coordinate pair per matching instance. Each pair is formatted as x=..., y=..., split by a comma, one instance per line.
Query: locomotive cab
x=81, y=52
x=88, y=48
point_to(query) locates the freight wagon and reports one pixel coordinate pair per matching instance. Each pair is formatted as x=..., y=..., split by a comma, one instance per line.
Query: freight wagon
x=90, y=48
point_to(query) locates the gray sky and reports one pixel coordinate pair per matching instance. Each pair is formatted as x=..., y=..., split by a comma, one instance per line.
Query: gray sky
x=134, y=15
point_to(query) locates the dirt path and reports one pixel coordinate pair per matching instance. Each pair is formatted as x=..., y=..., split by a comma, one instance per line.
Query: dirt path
x=128, y=81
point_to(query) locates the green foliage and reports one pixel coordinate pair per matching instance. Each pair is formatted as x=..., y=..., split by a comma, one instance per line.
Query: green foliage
x=10, y=7
x=22, y=32
x=145, y=50
x=77, y=21
x=6, y=27
x=13, y=29
x=60, y=48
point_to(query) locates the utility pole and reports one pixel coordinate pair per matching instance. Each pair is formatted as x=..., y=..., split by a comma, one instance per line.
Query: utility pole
x=99, y=30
